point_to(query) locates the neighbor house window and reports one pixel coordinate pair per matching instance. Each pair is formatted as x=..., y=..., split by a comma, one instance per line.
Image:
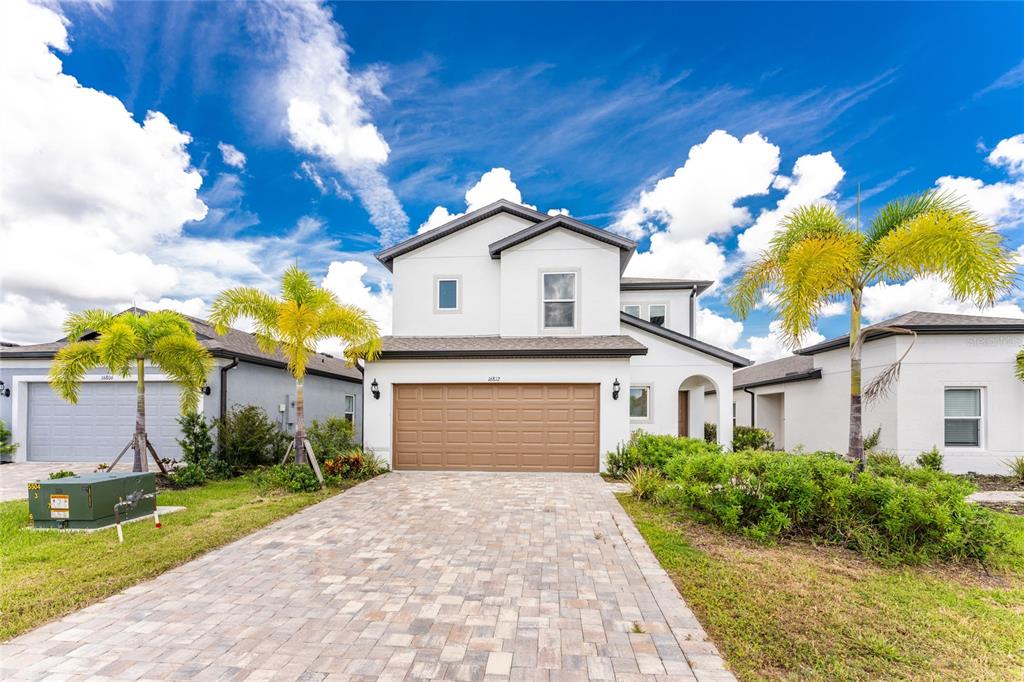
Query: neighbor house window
x=350, y=408
x=963, y=417
x=633, y=310
x=639, y=402
x=656, y=314
x=559, y=300
x=448, y=294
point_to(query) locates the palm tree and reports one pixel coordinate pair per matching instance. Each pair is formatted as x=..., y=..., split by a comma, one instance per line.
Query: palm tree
x=293, y=324
x=819, y=257
x=1020, y=364
x=165, y=339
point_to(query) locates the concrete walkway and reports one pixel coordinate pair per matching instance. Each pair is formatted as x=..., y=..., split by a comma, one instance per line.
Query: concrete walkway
x=408, y=576
x=15, y=477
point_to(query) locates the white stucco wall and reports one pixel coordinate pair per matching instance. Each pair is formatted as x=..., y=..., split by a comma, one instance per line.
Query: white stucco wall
x=596, y=265
x=614, y=413
x=665, y=368
x=463, y=255
x=676, y=300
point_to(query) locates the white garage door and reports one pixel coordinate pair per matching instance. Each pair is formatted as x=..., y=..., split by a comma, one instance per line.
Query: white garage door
x=101, y=423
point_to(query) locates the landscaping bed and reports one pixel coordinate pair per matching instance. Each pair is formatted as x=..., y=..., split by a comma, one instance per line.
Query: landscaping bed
x=796, y=610
x=46, y=574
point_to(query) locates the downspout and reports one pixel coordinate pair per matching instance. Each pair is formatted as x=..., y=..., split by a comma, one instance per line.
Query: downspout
x=224, y=386
x=361, y=403
x=693, y=313
x=752, y=405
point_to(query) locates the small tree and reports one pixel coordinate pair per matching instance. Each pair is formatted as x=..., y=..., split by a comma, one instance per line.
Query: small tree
x=196, y=442
x=164, y=338
x=819, y=257
x=6, y=446
x=293, y=324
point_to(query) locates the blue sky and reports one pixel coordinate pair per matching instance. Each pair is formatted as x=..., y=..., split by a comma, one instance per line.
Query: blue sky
x=587, y=106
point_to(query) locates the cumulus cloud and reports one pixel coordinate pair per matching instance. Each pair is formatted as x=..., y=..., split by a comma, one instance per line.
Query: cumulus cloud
x=495, y=184
x=231, y=156
x=347, y=279
x=325, y=104
x=726, y=332
x=929, y=294
x=1001, y=203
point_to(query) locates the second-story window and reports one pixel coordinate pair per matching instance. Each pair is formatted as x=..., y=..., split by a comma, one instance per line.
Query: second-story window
x=447, y=294
x=632, y=309
x=657, y=314
x=559, y=300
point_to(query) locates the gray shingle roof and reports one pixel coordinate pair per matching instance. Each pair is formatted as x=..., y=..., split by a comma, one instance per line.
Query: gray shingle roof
x=510, y=346
x=783, y=370
x=235, y=343
x=660, y=284
x=928, y=323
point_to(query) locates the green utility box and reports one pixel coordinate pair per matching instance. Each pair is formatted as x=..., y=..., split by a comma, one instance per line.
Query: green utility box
x=87, y=501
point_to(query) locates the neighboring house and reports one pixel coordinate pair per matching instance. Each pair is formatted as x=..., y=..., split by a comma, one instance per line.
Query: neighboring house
x=518, y=345
x=95, y=430
x=956, y=390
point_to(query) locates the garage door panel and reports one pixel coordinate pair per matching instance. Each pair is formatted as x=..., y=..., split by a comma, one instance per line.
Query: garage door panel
x=497, y=427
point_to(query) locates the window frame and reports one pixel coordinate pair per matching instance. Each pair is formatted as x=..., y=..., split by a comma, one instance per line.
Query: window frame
x=639, y=309
x=575, y=327
x=649, y=402
x=458, y=293
x=349, y=415
x=665, y=315
x=980, y=418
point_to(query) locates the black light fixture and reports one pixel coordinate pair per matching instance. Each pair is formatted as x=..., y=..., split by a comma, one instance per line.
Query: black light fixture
x=206, y=389
x=375, y=390
x=4, y=391
x=615, y=389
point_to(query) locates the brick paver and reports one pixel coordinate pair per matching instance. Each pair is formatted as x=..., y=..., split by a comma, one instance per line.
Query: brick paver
x=408, y=576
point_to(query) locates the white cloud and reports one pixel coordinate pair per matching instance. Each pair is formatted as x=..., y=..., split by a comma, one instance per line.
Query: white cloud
x=930, y=294
x=231, y=155
x=558, y=211
x=326, y=114
x=25, y=321
x=718, y=330
x=495, y=184
x=347, y=280
x=1001, y=203
x=726, y=332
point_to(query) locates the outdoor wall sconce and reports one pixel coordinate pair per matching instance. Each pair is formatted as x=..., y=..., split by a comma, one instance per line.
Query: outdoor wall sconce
x=206, y=389
x=375, y=390
x=615, y=389
x=4, y=391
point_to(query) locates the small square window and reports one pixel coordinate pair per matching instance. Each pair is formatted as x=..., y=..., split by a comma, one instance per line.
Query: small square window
x=962, y=417
x=350, y=408
x=639, y=402
x=657, y=314
x=633, y=310
x=559, y=300
x=447, y=294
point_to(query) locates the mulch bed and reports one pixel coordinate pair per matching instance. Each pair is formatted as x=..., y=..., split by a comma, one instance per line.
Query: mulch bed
x=994, y=482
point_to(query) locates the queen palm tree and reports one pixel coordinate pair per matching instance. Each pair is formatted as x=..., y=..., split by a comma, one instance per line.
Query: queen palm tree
x=819, y=257
x=165, y=339
x=293, y=324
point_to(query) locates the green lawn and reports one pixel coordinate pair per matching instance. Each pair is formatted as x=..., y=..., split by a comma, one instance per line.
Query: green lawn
x=795, y=611
x=46, y=574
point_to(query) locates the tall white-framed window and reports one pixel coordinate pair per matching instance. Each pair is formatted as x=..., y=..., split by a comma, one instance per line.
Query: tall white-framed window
x=559, y=300
x=350, y=408
x=963, y=416
x=640, y=402
x=657, y=313
x=447, y=294
x=632, y=309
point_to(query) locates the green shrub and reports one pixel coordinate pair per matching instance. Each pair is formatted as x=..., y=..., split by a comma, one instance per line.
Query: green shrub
x=930, y=459
x=63, y=473
x=711, y=432
x=644, y=482
x=7, y=448
x=196, y=442
x=653, y=451
x=332, y=437
x=295, y=478
x=1016, y=467
x=247, y=438
x=188, y=476
x=871, y=440
x=752, y=438
x=892, y=513
x=884, y=461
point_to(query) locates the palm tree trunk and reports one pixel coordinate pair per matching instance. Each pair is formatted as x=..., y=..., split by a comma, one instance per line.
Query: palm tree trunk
x=300, y=424
x=856, y=445
x=139, y=440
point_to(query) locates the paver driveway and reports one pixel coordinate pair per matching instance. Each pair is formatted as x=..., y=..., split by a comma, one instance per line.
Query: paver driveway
x=412, y=575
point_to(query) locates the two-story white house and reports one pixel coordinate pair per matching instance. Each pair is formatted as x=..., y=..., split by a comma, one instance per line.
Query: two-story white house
x=519, y=346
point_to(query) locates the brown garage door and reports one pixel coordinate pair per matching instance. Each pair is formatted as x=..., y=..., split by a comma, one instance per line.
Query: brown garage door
x=496, y=427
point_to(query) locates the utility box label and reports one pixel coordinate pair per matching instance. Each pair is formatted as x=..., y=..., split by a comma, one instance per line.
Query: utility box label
x=59, y=506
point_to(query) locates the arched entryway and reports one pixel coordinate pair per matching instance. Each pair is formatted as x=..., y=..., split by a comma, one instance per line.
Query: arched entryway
x=700, y=401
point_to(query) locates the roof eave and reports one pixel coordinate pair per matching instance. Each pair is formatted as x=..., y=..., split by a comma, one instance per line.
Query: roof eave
x=522, y=353
x=844, y=341
x=625, y=245
x=788, y=379
x=700, y=286
x=686, y=341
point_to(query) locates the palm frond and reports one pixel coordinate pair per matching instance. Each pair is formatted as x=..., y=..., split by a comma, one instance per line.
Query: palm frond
x=1020, y=364
x=747, y=291
x=956, y=246
x=881, y=385
x=79, y=324
x=232, y=304
x=119, y=345
x=161, y=323
x=900, y=211
x=297, y=285
x=356, y=328
x=70, y=365
x=187, y=362
x=820, y=221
